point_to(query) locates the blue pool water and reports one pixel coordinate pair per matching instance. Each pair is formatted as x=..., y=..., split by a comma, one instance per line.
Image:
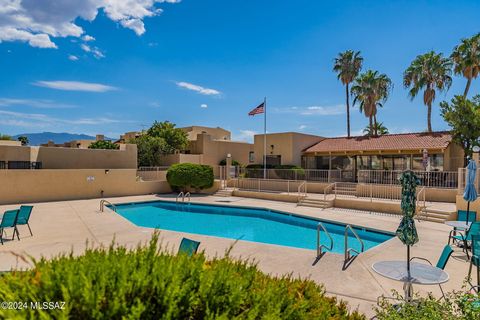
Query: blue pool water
x=251, y=224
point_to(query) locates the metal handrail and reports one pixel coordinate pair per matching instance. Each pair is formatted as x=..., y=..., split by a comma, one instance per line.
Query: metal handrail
x=348, y=250
x=299, y=192
x=320, y=246
x=178, y=196
x=421, y=193
x=186, y=195
x=328, y=188
x=102, y=205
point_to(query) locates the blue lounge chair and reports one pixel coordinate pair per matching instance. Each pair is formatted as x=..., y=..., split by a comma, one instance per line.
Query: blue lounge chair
x=462, y=215
x=188, y=246
x=442, y=261
x=9, y=220
x=24, y=216
x=464, y=238
x=475, y=260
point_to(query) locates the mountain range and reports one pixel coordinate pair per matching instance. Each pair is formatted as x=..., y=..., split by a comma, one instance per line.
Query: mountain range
x=36, y=139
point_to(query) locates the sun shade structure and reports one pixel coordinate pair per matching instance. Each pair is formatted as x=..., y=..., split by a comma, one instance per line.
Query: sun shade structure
x=406, y=232
x=470, y=193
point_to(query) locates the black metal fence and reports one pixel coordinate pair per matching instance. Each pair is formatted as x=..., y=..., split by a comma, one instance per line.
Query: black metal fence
x=20, y=165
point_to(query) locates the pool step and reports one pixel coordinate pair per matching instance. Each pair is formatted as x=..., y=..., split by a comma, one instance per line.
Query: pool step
x=433, y=215
x=315, y=203
x=223, y=193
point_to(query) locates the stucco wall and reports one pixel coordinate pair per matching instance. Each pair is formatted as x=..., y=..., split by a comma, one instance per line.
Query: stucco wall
x=20, y=186
x=73, y=158
x=474, y=206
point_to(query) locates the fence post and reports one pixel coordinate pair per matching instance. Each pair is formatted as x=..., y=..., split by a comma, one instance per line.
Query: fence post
x=288, y=187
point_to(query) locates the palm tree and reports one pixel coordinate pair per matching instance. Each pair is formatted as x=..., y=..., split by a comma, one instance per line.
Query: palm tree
x=379, y=127
x=428, y=72
x=347, y=66
x=371, y=90
x=466, y=59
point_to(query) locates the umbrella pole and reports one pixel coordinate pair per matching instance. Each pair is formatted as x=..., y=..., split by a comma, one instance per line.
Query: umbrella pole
x=468, y=209
x=408, y=261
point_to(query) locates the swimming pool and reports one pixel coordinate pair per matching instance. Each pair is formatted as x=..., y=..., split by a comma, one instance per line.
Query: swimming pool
x=250, y=224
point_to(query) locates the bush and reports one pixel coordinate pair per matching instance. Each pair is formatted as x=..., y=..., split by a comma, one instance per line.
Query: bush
x=116, y=283
x=289, y=172
x=234, y=163
x=184, y=175
x=103, y=144
x=457, y=305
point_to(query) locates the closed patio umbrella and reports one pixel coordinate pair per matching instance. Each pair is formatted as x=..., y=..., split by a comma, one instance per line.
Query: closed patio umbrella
x=470, y=193
x=406, y=232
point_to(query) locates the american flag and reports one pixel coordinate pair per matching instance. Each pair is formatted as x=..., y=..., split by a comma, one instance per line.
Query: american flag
x=258, y=110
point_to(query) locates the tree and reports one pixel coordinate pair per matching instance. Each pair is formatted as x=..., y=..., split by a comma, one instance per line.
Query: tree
x=103, y=144
x=463, y=116
x=23, y=140
x=370, y=90
x=5, y=137
x=149, y=150
x=175, y=139
x=466, y=59
x=347, y=66
x=378, y=127
x=428, y=72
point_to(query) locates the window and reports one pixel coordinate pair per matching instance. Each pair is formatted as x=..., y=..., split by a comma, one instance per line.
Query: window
x=251, y=156
x=323, y=163
x=401, y=163
x=308, y=162
x=436, y=162
x=342, y=163
x=274, y=160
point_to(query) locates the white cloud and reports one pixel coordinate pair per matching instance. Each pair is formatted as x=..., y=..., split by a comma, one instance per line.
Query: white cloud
x=85, y=47
x=302, y=127
x=37, y=21
x=72, y=57
x=35, y=103
x=245, y=135
x=88, y=38
x=197, y=88
x=97, y=53
x=154, y=104
x=314, y=110
x=204, y=106
x=75, y=86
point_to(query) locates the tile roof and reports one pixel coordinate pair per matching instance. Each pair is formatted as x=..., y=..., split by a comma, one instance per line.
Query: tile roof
x=394, y=142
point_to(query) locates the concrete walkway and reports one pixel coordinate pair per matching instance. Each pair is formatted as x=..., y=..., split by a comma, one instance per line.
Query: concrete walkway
x=61, y=227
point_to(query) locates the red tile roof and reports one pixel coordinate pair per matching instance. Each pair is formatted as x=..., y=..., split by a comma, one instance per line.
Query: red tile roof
x=393, y=142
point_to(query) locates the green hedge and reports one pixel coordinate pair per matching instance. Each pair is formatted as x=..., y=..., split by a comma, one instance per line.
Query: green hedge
x=115, y=283
x=234, y=163
x=184, y=175
x=293, y=172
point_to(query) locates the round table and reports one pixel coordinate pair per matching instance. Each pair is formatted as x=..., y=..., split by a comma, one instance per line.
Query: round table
x=463, y=225
x=420, y=273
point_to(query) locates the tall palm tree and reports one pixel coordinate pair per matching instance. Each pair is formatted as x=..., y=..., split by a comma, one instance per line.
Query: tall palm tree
x=429, y=72
x=466, y=59
x=370, y=90
x=347, y=66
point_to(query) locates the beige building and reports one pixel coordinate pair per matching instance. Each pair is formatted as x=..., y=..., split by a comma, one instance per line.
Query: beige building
x=215, y=133
x=283, y=148
x=79, y=144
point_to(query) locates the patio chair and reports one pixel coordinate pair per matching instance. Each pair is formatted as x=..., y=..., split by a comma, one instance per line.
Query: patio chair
x=188, y=246
x=462, y=215
x=24, y=217
x=9, y=220
x=442, y=261
x=475, y=260
x=465, y=238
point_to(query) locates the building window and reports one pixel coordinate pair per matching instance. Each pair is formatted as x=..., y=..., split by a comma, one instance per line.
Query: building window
x=308, y=162
x=251, y=156
x=274, y=160
x=342, y=163
x=436, y=162
x=323, y=163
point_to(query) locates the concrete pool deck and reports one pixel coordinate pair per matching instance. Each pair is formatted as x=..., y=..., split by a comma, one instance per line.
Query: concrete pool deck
x=61, y=227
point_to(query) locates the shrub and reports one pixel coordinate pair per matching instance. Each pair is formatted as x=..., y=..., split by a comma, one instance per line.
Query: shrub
x=290, y=172
x=184, y=175
x=234, y=163
x=457, y=305
x=147, y=283
x=103, y=144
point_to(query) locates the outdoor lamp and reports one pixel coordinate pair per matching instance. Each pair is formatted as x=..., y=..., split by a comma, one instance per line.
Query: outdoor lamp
x=229, y=155
x=476, y=149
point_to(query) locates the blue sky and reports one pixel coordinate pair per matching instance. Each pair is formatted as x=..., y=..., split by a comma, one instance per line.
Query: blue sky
x=99, y=66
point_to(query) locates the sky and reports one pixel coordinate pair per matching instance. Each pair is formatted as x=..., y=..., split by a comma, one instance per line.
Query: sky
x=113, y=66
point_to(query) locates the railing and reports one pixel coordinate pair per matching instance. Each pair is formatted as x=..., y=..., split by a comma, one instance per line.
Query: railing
x=271, y=185
x=421, y=202
x=20, y=165
x=299, y=174
x=348, y=251
x=379, y=191
x=102, y=205
x=183, y=195
x=432, y=179
x=327, y=190
x=152, y=173
x=319, y=245
x=187, y=195
x=302, y=190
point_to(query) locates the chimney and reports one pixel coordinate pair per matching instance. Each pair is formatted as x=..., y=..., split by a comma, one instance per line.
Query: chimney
x=99, y=137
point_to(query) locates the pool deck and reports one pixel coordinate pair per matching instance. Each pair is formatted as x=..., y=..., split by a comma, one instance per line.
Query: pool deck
x=61, y=227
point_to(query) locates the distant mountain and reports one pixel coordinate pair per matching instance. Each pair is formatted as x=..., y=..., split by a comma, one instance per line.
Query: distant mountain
x=36, y=139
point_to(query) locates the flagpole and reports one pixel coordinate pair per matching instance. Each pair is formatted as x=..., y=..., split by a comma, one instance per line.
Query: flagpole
x=265, y=138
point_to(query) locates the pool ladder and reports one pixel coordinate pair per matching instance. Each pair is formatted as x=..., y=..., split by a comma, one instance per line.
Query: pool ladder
x=320, y=246
x=183, y=196
x=102, y=205
x=348, y=251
